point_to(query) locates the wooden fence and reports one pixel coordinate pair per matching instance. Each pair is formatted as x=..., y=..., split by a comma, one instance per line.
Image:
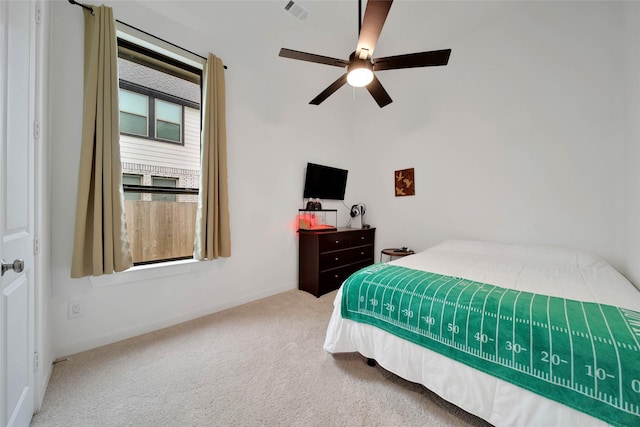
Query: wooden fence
x=160, y=230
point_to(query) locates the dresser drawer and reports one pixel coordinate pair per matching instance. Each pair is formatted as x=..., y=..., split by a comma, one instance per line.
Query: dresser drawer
x=332, y=279
x=333, y=242
x=361, y=238
x=362, y=253
x=334, y=259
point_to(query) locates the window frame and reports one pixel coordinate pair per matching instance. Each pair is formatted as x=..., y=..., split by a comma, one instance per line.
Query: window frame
x=168, y=58
x=152, y=95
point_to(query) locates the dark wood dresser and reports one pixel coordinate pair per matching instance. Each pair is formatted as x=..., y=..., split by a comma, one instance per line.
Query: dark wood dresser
x=327, y=258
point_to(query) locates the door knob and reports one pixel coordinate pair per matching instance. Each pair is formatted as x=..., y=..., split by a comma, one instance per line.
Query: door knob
x=17, y=266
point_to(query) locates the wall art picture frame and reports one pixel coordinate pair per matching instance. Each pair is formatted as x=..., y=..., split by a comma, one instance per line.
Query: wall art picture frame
x=404, y=182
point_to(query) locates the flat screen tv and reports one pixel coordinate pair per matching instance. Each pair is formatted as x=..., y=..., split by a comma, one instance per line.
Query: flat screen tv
x=324, y=182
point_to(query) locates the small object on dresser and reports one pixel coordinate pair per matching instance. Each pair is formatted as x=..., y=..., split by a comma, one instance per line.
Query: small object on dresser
x=314, y=205
x=323, y=219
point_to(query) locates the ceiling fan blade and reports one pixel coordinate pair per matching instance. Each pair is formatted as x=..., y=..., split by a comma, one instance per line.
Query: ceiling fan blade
x=310, y=57
x=330, y=90
x=379, y=94
x=374, y=16
x=411, y=60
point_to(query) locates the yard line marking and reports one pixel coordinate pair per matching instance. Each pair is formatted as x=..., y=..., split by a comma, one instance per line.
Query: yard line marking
x=570, y=334
x=615, y=347
x=593, y=348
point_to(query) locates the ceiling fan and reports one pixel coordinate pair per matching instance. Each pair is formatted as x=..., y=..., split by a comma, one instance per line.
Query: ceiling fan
x=361, y=65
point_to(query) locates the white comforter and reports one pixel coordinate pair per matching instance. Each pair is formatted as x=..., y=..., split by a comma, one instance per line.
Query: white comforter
x=545, y=270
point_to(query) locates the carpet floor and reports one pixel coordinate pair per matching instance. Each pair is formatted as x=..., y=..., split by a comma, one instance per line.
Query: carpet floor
x=260, y=364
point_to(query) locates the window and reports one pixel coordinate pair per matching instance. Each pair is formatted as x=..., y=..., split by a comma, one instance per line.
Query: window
x=160, y=152
x=168, y=121
x=164, y=183
x=134, y=113
x=132, y=180
x=148, y=113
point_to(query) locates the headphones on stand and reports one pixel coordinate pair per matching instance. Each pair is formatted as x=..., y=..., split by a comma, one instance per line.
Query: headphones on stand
x=358, y=209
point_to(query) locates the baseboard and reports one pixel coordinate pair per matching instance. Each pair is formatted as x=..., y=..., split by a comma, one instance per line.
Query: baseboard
x=165, y=323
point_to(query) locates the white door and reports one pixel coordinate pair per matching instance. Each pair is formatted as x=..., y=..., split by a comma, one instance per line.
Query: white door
x=17, y=77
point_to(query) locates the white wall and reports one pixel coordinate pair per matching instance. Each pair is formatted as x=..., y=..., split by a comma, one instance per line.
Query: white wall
x=521, y=138
x=272, y=133
x=524, y=137
x=632, y=153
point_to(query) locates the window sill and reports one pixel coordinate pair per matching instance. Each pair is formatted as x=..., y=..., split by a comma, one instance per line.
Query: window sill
x=148, y=272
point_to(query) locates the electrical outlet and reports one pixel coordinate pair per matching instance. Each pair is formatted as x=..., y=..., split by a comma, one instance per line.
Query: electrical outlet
x=75, y=309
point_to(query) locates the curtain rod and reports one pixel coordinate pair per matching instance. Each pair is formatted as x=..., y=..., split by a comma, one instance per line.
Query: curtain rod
x=84, y=6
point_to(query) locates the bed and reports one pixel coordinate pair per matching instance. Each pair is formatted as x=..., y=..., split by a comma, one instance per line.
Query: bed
x=506, y=332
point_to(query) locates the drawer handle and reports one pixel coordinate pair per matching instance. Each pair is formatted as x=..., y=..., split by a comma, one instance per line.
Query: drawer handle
x=335, y=275
x=337, y=241
x=361, y=253
x=337, y=259
x=362, y=238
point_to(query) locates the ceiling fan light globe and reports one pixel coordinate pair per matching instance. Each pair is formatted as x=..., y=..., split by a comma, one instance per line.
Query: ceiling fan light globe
x=360, y=77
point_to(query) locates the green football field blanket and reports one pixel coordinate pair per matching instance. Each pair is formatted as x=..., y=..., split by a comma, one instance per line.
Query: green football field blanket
x=582, y=354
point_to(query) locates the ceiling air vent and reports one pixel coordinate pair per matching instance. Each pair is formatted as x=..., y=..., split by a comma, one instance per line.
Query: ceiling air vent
x=296, y=10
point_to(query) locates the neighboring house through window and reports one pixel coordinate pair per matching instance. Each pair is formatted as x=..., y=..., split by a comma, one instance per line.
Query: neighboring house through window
x=160, y=152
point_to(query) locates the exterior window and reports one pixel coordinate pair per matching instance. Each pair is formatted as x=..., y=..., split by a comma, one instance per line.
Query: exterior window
x=160, y=152
x=132, y=180
x=146, y=112
x=134, y=113
x=164, y=182
x=168, y=121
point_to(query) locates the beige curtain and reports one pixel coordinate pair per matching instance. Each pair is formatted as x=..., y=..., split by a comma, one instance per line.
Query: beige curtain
x=213, y=235
x=100, y=243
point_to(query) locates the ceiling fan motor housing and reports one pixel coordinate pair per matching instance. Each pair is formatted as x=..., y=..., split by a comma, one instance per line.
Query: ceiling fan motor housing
x=359, y=71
